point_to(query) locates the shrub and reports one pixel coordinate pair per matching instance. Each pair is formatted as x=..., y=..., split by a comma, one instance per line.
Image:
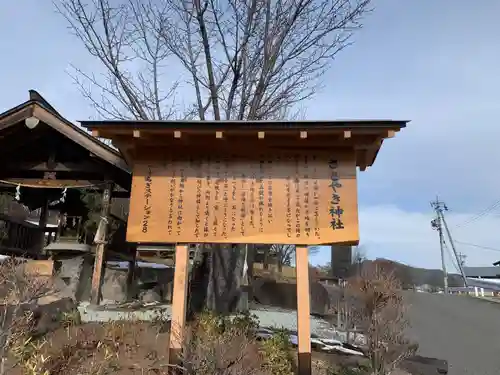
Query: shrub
x=277, y=355
x=381, y=313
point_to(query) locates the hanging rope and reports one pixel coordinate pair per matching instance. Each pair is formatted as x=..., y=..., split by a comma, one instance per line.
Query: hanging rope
x=245, y=268
x=18, y=193
x=77, y=186
x=99, y=234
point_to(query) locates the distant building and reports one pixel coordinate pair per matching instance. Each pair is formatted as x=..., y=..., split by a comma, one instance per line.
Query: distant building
x=492, y=272
x=341, y=261
x=484, y=278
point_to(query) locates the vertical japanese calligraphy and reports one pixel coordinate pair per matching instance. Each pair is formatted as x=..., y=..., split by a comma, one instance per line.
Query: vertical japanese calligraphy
x=305, y=197
x=225, y=200
x=217, y=197
x=288, y=203
x=270, y=192
x=243, y=202
x=335, y=210
x=252, y=206
x=234, y=189
x=262, y=199
x=196, y=165
x=208, y=192
x=180, y=200
x=316, y=198
x=171, y=201
x=283, y=198
x=147, y=200
x=298, y=198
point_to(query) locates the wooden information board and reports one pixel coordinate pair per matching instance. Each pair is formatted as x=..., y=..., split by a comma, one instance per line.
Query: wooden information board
x=286, y=199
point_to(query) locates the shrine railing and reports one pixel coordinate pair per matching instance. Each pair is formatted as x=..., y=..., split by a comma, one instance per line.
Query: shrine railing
x=18, y=236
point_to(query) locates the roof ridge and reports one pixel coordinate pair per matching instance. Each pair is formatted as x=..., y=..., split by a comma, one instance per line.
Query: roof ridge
x=36, y=97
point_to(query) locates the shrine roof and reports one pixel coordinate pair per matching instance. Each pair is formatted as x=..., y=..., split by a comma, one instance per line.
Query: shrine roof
x=41, y=109
x=39, y=148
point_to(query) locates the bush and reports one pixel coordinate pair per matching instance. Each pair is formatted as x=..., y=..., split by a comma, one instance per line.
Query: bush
x=218, y=345
x=277, y=353
x=381, y=313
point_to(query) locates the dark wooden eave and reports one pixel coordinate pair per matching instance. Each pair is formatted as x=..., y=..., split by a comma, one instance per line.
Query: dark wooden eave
x=38, y=107
x=55, y=147
x=365, y=137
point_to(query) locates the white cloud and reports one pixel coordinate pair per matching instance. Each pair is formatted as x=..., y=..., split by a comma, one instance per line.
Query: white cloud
x=390, y=232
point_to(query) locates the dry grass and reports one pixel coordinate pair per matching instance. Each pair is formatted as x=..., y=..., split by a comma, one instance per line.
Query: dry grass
x=122, y=348
x=19, y=292
x=215, y=345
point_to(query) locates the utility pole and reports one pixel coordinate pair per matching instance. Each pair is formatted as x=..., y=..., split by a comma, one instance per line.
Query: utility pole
x=436, y=224
x=450, y=239
x=461, y=259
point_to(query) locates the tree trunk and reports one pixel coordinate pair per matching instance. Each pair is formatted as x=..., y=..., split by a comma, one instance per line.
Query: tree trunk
x=225, y=268
x=266, y=258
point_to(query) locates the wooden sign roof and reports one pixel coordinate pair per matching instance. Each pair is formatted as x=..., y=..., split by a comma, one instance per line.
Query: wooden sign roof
x=364, y=136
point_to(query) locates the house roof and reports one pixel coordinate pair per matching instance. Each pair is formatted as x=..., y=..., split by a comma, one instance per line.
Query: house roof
x=40, y=108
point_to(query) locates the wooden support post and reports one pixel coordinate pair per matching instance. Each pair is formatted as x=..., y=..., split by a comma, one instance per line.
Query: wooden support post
x=131, y=290
x=179, y=302
x=303, y=311
x=42, y=223
x=95, y=295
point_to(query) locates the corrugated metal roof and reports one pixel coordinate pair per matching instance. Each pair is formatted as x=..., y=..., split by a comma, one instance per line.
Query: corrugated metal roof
x=482, y=272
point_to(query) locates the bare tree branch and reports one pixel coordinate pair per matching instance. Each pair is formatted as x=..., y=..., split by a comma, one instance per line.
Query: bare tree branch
x=242, y=59
x=124, y=39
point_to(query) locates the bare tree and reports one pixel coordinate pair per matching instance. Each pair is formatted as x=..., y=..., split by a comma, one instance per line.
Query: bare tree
x=208, y=59
x=378, y=308
x=242, y=59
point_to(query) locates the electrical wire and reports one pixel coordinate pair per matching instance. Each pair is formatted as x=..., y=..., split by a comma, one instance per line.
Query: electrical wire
x=452, y=258
x=479, y=215
x=478, y=246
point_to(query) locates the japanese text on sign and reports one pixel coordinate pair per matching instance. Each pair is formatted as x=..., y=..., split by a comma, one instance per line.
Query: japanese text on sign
x=289, y=198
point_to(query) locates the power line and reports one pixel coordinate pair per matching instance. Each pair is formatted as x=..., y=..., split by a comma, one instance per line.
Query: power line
x=478, y=246
x=479, y=215
x=453, y=262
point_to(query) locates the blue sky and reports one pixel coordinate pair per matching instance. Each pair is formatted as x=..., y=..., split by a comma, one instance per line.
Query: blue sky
x=432, y=62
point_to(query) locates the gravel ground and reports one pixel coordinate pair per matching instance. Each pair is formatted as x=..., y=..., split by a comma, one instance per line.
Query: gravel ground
x=463, y=330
